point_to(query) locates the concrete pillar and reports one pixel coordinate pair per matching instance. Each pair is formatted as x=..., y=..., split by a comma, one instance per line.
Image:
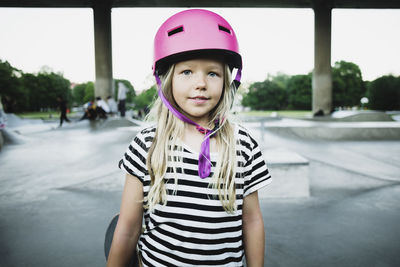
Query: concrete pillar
x=103, y=50
x=322, y=76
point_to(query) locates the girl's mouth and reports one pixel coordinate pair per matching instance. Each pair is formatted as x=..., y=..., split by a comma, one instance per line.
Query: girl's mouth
x=199, y=99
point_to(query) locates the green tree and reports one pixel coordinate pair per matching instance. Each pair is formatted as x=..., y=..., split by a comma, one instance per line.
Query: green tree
x=13, y=95
x=347, y=84
x=266, y=95
x=299, y=92
x=54, y=85
x=29, y=92
x=89, y=92
x=44, y=88
x=78, y=94
x=145, y=98
x=36, y=92
x=384, y=93
x=280, y=78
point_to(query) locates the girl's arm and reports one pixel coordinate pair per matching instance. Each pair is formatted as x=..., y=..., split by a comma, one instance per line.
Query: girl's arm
x=129, y=224
x=253, y=231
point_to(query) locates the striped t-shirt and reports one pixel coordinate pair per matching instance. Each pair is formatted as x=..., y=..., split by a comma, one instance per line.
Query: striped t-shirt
x=193, y=229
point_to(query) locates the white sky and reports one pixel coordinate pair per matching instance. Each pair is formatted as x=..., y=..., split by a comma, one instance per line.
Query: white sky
x=270, y=40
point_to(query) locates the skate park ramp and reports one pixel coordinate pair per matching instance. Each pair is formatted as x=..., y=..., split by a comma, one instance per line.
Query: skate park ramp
x=17, y=127
x=112, y=123
x=341, y=125
x=358, y=116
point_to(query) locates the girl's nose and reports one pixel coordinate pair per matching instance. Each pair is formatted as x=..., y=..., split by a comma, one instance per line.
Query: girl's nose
x=201, y=81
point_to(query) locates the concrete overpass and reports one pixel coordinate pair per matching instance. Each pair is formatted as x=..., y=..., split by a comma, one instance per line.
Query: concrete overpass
x=322, y=78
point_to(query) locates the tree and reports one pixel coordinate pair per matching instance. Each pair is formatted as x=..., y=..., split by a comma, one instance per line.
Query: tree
x=13, y=95
x=35, y=91
x=89, y=92
x=44, y=88
x=299, y=92
x=266, y=95
x=78, y=94
x=347, y=84
x=145, y=98
x=384, y=93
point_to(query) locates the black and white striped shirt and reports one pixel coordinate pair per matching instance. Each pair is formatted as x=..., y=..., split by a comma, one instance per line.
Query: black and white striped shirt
x=193, y=228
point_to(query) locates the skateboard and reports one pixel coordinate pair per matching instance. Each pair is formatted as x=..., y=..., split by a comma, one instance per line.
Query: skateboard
x=108, y=241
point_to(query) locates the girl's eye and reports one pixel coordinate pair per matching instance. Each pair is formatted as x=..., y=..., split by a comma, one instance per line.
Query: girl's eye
x=213, y=74
x=186, y=72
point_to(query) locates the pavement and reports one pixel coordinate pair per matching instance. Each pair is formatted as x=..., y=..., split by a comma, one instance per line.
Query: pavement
x=60, y=187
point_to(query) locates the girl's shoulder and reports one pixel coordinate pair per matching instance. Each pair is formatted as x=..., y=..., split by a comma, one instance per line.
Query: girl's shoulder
x=144, y=137
x=244, y=136
x=147, y=130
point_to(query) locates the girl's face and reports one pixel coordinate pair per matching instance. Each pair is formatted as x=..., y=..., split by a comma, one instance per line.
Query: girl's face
x=197, y=87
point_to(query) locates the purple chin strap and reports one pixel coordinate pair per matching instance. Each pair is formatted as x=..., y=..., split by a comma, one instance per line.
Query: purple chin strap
x=204, y=156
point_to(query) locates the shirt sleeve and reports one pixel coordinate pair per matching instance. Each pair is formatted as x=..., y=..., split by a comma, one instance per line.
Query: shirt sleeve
x=134, y=160
x=256, y=171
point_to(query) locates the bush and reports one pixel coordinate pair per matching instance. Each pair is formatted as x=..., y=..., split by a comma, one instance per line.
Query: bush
x=384, y=93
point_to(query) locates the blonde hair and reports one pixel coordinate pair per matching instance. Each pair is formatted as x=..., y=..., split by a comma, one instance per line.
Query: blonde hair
x=170, y=129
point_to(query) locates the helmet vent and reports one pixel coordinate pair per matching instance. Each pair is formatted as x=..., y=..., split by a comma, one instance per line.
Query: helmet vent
x=222, y=28
x=175, y=31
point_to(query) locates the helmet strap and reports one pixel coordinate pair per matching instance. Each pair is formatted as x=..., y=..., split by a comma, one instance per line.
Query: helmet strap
x=238, y=77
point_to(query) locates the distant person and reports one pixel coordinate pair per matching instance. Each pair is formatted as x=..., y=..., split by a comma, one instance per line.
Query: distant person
x=122, y=98
x=63, y=109
x=102, y=108
x=140, y=114
x=90, y=111
x=112, y=104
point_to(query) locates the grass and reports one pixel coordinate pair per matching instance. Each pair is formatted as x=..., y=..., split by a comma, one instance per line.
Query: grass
x=281, y=113
x=48, y=115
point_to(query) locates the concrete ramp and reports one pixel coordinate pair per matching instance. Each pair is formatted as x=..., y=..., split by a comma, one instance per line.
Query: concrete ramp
x=335, y=130
x=358, y=116
x=290, y=174
x=113, y=123
x=10, y=137
x=14, y=121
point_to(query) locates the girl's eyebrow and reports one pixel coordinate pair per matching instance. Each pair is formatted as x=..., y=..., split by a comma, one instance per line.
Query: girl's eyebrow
x=213, y=66
x=185, y=65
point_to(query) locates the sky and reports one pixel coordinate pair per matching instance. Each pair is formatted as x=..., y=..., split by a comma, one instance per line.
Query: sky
x=271, y=41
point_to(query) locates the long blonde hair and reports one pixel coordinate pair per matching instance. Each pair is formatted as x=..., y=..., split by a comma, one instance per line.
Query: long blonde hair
x=170, y=129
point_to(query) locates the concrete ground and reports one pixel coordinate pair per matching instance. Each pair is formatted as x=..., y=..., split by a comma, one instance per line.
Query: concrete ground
x=60, y=187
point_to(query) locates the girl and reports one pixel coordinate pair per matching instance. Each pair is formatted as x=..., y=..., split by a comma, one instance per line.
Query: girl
x=194, y=175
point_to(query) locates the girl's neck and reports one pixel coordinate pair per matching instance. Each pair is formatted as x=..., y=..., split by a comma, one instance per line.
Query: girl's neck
x=193, y=138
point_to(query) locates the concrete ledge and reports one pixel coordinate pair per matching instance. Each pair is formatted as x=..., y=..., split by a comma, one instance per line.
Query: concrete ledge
x=343, y=131
x=290, y=174
x=356, y=116
x=383, y=130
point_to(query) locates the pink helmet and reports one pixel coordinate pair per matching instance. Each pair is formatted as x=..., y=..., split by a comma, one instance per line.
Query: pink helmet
x=192, y=32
